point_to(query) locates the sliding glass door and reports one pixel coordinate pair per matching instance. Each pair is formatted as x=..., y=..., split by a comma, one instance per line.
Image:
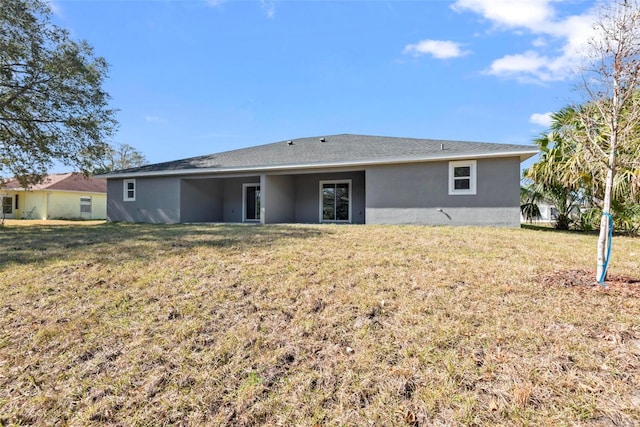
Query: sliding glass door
x=251, y=202
x=335, y=201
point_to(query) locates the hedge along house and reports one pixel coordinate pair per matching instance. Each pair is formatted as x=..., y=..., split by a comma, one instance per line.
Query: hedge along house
x=59, y=196
x=334, y=179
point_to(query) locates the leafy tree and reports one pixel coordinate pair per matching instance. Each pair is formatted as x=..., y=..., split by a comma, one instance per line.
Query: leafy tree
x=611, y=79
x=594, y=148
x=566, y=201
x=121, y=156
x=52, y=105
x=567, y=174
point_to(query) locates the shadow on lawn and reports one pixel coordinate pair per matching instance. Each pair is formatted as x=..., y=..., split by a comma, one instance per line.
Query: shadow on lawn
x=34, y=244
x=551, y=229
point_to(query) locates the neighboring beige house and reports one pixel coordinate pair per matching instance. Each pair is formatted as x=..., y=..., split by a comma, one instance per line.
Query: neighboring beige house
x=58, y=196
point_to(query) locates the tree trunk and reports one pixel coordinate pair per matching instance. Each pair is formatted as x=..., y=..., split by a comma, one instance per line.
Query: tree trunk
x=603, y=238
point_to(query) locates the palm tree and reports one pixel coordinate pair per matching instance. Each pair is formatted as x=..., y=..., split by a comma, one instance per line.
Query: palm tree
x=566, y=202
x=572, y=169
x=529, y=199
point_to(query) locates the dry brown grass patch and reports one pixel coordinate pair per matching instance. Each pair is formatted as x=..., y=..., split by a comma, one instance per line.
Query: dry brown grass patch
x=122, y=324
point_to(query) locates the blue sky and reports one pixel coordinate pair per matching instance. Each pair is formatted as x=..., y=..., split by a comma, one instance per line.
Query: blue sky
x=194, y=77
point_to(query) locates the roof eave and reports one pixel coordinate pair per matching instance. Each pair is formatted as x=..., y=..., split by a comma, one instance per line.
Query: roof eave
x=523, y=155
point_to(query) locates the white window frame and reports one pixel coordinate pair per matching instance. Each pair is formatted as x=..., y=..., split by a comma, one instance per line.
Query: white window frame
x=125, y=195
x=244, y=202
x=335, y=181
x=2, y=198
x=84, y=202
x=471, y=164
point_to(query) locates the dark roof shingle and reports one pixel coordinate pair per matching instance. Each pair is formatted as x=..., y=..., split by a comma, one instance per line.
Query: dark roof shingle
x=333, y=150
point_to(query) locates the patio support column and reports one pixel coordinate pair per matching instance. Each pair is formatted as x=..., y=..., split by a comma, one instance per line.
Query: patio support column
x=277, y=199
x=263, y=192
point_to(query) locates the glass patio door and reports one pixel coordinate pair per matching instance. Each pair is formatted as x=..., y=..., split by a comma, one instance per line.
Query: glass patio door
x=335, y=199
x=251, y=202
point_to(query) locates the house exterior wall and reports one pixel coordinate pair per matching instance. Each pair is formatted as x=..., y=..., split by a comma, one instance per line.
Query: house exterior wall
x=278, y=199
x=51, y=204
x=419, y=194
x=201, y=200
x=307, y=191
x=99, y=208
x=33, y=205
x=63, y=205
x=66, y=205
x=232, y=197
x=410, y=193
x=548, y=213
x=157, y=201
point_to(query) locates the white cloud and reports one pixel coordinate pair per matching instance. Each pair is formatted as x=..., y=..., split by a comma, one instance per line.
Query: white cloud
x=529, y=62
x=542, y=119
x=529, y=67
x=539, y=42
x=542, y=63
x=269, y=7
x=509, y=13
x=440, y=49
x=153, y=119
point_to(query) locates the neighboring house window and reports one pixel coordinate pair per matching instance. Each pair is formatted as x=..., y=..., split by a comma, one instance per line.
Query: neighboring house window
x=16, y=204
x=335, y=201
x=85, y=205
x=7, y=205
x=129, y=190
x=251, y=202
x=462, y=177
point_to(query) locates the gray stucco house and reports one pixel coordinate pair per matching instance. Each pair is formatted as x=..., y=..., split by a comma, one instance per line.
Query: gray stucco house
x=337, y=179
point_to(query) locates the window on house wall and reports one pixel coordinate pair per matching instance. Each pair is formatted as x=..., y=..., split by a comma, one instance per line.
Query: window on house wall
x=335, y=201
x=129, y=190
x=85, y=205
x=16, y=203
x=7, y=205
x=462, y=177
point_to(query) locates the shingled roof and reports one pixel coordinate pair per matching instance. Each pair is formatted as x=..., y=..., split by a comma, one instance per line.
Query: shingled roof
x=71, y=181
x=330, y=151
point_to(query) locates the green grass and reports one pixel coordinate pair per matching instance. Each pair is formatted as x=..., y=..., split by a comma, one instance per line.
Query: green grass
x=314, y=325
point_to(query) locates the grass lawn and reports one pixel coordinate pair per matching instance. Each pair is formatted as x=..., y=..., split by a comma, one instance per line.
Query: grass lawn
x=140, y=325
